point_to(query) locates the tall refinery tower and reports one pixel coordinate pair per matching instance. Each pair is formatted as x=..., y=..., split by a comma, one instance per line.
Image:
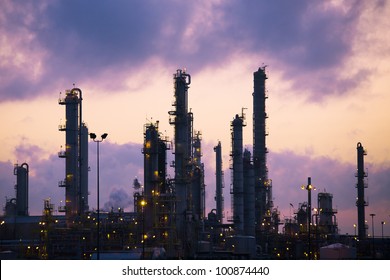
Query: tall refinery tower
x=181, y=119
x=263, y=188
x=361, y=185
x=219, y=182
x=237, y=190
x=76, y=156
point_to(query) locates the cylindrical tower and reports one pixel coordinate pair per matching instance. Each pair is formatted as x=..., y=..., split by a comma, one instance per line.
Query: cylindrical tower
x=238, y=176
x=361, y=185
x=151, y=174
x=327, y=219
x=71, y=153
x=198, y=188
x=21, y=172
x=76, y=156
x=263, y=200
x=180, y=119
x=249, y=195
x=219, y=182
x=84, y=168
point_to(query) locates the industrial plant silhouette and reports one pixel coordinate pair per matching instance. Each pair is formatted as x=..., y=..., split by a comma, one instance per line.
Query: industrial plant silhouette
x=169, y=220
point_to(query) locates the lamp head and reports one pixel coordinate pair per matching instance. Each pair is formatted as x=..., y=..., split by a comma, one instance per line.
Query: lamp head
x=92, y=136
x=104, y=136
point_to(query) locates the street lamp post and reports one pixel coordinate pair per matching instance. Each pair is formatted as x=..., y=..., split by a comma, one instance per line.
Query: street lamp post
x=143, y=203
x=93, y=137
x=372, y=223
x=382, y=223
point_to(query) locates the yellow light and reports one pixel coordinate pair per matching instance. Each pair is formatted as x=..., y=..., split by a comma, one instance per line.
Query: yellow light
x=143, y=202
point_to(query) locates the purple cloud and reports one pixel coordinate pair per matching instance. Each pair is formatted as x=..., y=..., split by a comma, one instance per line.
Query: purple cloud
x=78, y=41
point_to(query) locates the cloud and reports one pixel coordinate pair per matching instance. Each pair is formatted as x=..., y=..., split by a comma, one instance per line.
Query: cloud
x=76, y=41
x=303, y=39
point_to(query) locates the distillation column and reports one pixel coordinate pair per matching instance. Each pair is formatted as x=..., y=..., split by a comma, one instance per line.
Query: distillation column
x=361, y=185
x=327, y=214
x=71, y=153
x=180, y=119
x=21, y=172
x=219, y=182
x=249, y=195
x=76, y=156
x=151, y=175
x=198, y=186
x=263, y=199
x=84, y=169
x=238, y=176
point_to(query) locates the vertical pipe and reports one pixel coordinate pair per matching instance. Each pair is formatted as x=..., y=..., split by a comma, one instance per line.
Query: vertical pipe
x=80, y=200
x=198, y=178
x=98, y=199
x=238, y=180
x=259, y=145
x=219, y=184
x=182, y=81
x=84, y=167
x=361, y=203
x=249, y=195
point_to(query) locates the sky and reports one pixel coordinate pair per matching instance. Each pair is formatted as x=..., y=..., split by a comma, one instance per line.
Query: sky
x=328, y=64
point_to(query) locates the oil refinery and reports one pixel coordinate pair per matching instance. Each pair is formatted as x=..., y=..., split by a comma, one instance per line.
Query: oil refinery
x=169, y=218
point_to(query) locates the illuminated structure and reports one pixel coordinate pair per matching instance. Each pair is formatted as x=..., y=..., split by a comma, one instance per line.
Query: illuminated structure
x=327, y=222
x=249, y=195
x=263, y=186
x=76, y=156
